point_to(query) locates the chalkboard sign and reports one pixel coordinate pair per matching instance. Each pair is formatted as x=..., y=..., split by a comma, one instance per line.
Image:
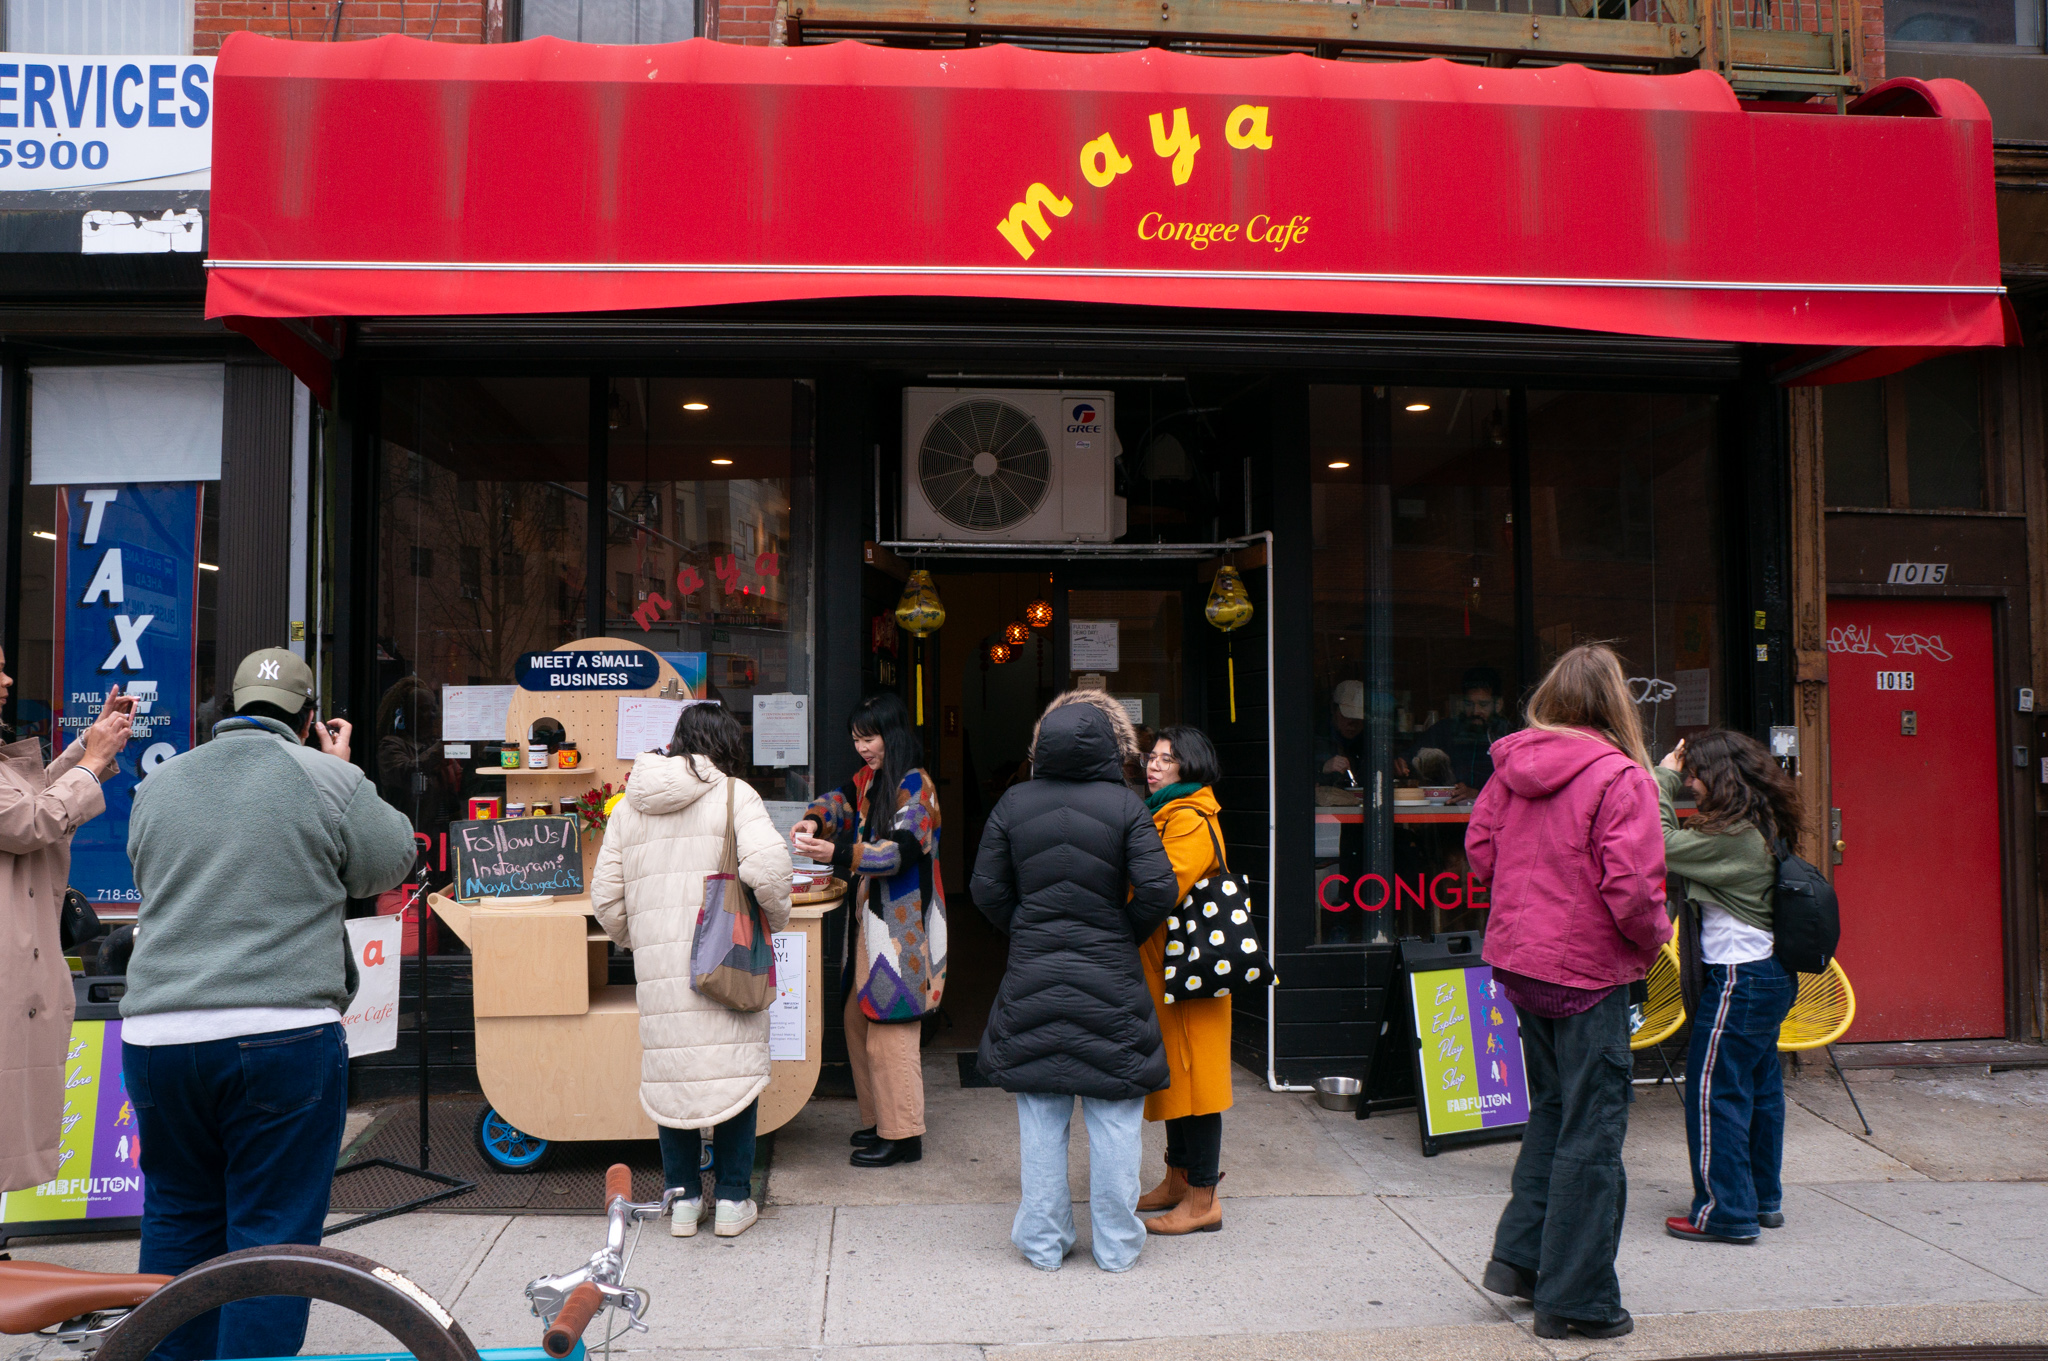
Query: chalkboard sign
x=1470, y=1082
x=517, y=857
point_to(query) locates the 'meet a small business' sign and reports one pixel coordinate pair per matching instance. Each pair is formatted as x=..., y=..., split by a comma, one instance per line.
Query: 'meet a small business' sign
x=623, y=669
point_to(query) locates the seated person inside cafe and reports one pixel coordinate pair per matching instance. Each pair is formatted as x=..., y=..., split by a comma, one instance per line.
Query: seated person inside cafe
x=1340, y=746
x=1466, y=737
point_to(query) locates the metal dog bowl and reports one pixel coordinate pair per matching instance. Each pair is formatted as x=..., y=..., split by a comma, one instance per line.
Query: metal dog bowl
x=1338, y=1093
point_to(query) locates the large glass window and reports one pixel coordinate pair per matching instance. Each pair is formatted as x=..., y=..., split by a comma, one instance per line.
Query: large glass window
x=708, y=551
x=609, y=21
x=1624, y=529
x=481, y=557
x=1424, y=643
x=2015, y=23
x=1913, y=441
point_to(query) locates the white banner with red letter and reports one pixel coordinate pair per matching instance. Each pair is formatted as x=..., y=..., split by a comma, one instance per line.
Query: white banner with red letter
x=371, y=1020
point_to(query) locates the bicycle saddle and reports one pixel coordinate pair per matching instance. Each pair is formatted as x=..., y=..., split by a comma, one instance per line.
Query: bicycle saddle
x=36, y=1295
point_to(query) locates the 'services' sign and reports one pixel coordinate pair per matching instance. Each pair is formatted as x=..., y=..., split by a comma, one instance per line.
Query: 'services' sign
x=516, y=857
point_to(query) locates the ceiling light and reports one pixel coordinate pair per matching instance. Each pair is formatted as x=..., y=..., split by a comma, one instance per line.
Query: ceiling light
x=696, y=406
x=208, y=567
x=1017, y=633
x=1340, y=465
x=721, y=463
x=1416, y=406
x=1038, y=614
x=999, y=653
x=45, y=534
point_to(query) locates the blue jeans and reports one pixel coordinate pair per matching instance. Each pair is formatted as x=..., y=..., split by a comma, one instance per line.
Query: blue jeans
x=1044, y=1230
x=239, y=1139
x=1735, y=1096
x=1563, y=1224
x=732, y=1156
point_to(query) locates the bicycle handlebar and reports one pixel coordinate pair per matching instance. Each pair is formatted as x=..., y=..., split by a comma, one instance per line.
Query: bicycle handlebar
x=577, y=1311
x=618, y=1184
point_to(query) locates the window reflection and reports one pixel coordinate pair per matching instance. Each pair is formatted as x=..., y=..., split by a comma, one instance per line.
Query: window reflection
x=707, y=551
x=481, y=558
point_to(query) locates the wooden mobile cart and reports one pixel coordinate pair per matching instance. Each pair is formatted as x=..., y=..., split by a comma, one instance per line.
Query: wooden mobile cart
x=557, y=1043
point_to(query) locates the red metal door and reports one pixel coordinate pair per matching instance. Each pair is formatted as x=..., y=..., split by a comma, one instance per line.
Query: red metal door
x=1914, y=764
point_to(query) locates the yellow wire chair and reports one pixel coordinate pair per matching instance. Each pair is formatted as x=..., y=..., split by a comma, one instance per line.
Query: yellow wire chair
x=1664, y=1013
x=1822, y=1012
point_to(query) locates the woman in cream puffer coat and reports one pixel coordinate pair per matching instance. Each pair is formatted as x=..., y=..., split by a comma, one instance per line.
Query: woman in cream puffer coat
x=702, y=1064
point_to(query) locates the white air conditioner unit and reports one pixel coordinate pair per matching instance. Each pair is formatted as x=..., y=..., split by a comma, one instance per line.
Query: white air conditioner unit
x=1010, y=465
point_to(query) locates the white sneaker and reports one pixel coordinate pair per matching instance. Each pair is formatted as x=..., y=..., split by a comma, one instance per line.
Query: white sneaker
x=685, y=1217
x=735, y=1217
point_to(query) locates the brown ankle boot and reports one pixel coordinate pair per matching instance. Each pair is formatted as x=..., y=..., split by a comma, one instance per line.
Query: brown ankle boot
x=1167, y=1194
x=1201, y=1212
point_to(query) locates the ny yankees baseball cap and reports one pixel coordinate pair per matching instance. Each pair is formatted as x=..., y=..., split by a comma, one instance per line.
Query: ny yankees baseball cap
x=273, y=676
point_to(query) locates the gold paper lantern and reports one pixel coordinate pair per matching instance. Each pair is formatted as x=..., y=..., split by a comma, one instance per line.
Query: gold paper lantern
x=1017, y=633
x=999, y=653
x=1038, y=614
x=919, y=611
x=921, y=614
x=1229, y=608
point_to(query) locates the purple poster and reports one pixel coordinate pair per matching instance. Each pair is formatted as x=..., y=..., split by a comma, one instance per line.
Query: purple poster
x=1471, y=1073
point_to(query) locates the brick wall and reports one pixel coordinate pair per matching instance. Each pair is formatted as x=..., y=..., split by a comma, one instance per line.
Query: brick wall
x=753, y=22
x=463, y=21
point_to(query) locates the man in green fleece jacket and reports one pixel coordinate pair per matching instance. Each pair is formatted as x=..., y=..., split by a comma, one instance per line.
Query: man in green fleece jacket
x=247, y=850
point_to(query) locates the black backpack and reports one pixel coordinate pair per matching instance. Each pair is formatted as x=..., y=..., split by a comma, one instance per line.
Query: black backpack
x=1806, y=917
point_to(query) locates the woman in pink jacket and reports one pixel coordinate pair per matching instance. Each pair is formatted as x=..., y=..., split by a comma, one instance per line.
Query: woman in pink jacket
x=1567, y=837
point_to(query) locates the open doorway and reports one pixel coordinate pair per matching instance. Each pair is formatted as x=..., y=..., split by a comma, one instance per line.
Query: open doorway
x=1123, y=628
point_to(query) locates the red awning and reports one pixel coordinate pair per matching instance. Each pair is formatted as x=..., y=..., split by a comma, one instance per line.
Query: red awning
x=397, y=177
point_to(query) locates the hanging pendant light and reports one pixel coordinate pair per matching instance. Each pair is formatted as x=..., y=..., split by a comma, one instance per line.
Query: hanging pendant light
x=999, y=653
x=1038, y=614
x=1228, y=609
x=1017, y=633
x=920, y=614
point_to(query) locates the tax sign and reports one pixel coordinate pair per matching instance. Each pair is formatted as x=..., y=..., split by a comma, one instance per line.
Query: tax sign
x=90, y=122
x=128, y=577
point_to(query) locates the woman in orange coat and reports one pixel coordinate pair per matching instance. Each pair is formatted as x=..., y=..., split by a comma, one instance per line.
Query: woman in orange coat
x=1180, y=772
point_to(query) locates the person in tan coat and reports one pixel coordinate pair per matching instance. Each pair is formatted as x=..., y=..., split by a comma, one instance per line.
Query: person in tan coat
x=703, y=1065
x=1180, y=772
x=40, y=807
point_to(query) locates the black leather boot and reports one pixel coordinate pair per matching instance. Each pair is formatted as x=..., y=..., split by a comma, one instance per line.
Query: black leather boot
x=864, y=1138
x=889, y=1152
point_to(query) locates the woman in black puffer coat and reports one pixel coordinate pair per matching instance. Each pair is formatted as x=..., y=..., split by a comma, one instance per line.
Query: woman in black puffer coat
x=1071, y=869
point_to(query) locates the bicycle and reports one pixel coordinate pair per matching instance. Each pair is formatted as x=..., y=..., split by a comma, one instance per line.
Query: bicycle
x=114, y=1316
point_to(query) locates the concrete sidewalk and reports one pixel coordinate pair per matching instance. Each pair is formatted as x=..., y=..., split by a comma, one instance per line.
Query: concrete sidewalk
x=1340, y=1240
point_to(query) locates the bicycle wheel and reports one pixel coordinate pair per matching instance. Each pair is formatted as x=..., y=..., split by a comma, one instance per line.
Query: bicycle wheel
x=357, y=1284
x=506, y=1147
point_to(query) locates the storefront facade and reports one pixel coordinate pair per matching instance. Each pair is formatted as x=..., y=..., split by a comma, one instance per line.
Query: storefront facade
x=1429, y=486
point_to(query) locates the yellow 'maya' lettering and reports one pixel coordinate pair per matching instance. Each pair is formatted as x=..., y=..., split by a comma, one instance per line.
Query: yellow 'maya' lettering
x=1246, y=128
x=1182, y=145
x=1031, y=213
x=1101, y=162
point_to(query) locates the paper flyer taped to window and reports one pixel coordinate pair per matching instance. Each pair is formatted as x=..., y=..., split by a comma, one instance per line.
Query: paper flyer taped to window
x=787, y=1034
x=782, y=730
x=475, y=713
x=1690, y=703
x=1092, y=644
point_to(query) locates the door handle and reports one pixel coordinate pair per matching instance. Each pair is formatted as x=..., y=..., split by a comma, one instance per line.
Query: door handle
x=1835, y=831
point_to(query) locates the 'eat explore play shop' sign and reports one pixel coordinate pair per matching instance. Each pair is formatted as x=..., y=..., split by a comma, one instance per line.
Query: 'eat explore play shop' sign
x=517, y=857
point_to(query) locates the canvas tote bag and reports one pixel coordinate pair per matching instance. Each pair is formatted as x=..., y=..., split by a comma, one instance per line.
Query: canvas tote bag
x=732, y=960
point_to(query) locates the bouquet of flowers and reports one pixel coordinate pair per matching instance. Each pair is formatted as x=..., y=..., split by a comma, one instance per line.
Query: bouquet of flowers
x=594, y=807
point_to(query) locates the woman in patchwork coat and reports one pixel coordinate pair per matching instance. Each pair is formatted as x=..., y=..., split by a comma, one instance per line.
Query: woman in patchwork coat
x=883, y=826
x=703, y=1065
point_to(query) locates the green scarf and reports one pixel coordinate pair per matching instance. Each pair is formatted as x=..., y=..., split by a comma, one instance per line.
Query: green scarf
x=1167, y=794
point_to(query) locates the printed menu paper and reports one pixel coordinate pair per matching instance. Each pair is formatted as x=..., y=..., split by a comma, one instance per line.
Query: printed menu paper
x=646, y=724
x=475, y=713
x=1691, y=703
x=787, y=1031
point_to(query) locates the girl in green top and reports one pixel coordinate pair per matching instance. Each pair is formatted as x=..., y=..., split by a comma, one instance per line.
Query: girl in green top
x=1734, y=1087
